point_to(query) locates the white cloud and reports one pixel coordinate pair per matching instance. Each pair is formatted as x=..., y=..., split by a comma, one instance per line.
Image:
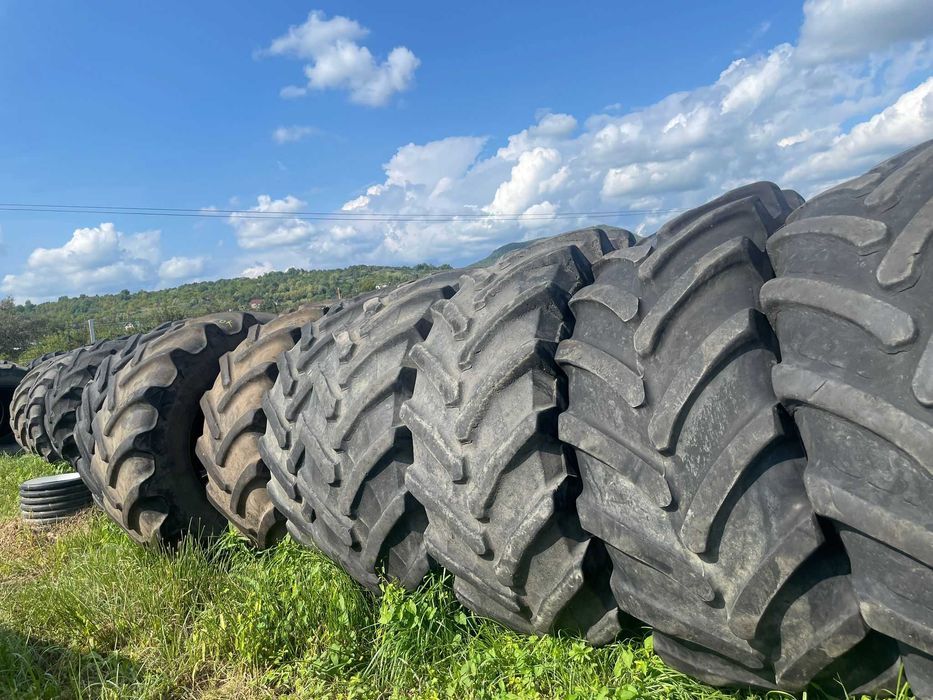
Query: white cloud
x=907, y=121
x=93, y=260
x=291, y=134
x=180, y=268
x=338, y=62
x=428, y=164
x=777, y=116
x=257, y=269
x=258, y=231
x=850, y=29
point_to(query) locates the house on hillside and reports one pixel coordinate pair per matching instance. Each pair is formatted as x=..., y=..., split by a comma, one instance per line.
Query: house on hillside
x=255, y=304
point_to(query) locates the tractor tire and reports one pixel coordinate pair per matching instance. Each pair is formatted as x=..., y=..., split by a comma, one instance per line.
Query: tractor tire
x=356, y=447
x=33, y=424
x=498, y=486
x=234, y=422
x=19, y=402
x=75, y=371
x=280, y=447
x=692, y=471
x=852, y=310
x=32, y=364
x=10, y=376
x=145, y=429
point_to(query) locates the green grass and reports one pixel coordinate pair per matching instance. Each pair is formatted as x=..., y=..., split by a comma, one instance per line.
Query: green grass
x=84, y=613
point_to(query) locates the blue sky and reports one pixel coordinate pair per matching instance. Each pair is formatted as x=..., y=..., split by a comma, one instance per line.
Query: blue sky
x=513, y=117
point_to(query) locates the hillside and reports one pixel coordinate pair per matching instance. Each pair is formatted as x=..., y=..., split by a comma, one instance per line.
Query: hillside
x=28, y=330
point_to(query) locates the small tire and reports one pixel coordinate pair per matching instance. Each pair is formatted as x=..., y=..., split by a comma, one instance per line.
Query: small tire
x=851, y=307
x=144, y=465
x=692, y=472
x=497, y=484
x=234, y=422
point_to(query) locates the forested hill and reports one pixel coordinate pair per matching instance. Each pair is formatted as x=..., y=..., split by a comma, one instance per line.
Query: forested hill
x=27, y=330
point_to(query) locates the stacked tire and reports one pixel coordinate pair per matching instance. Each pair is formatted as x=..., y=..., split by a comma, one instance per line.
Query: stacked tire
x=723, y=431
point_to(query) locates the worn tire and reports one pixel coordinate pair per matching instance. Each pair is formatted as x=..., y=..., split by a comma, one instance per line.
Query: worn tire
x=145, y=430
x=32, y=364
x=356, y=447
x=692, y=471
x=11, y=375
x=29, y=407
x=497, y=484
x=234, y=422
x=18, y=405
x=852, y=309
x=280, y=447
x=75, y=371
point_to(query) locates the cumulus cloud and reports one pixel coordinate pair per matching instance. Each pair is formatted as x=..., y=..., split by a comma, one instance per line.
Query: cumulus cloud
x=779, y=115
x=94, y=260
x=848, y=29
x=291, y=134
x=259, y=230
x=180, y=268
x=338, y=62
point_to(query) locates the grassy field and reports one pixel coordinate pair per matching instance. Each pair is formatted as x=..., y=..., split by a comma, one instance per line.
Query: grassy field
x=84, y=613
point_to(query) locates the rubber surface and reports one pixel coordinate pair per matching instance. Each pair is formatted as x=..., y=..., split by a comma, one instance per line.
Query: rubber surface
x=692, y=471
x=280, y=447
x=356, y=447
x=54, y=482
x=852, y=309
x=11, y=375
x=29, y=407
x=234, y=422
x=19, y=403
x=144, y=464
x=497, y=484
x=63, y=397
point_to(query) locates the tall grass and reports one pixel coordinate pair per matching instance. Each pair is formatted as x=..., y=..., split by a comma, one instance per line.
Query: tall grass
x=84, y=613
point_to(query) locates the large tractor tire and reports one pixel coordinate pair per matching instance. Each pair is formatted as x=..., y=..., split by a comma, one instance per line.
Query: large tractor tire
x=497, y=484
x=853, y=309
x=356, y=447
x=234, y=422
x=11, y=375
x=62, y=399
x=32, y=364
x=692, y=471
x=28, y=407
x=145, y=430
x=280, y=447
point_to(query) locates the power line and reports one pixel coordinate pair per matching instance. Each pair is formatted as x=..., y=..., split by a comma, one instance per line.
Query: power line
x=250, y=214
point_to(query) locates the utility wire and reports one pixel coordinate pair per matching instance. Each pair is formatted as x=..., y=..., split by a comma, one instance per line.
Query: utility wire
x=249, y=214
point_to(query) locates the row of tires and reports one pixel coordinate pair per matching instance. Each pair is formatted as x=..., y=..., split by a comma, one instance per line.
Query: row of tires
x=724, y=431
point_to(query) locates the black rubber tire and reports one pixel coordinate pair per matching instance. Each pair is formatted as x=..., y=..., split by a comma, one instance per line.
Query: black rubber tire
x=75, y=371
x=356, y=447
x=19, y=403
x=42, y=510
x=692, y=471
x=11, y=375
x=47, y=501
x=281, y=450
x=29, y=409
x=497, y=484
x=32, y=364
x=144, y=464
x=234, y=422
x=852, y=309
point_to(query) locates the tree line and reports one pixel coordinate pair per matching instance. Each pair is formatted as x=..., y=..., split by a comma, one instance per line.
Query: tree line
x=28, y=330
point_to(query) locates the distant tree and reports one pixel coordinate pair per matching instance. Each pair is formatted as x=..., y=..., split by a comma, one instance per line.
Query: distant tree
x=18, y=331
